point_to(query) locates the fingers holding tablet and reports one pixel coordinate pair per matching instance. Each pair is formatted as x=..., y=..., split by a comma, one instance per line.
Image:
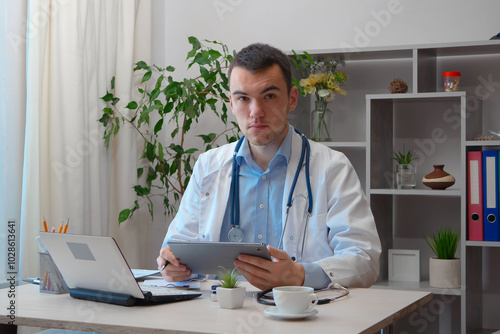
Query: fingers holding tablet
x=170, y=268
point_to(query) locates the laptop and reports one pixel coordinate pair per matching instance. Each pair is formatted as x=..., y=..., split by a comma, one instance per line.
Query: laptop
x=95, y=269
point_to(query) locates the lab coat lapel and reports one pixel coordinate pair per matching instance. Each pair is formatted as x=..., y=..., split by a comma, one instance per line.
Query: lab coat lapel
x=214, y=195
x=300, y=195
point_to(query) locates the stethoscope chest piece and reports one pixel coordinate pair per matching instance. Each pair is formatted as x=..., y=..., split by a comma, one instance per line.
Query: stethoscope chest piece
x=235, y=234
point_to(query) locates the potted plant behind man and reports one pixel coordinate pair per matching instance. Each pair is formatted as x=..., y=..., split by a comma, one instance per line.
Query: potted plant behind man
x=444, y=268
x=163, y=115
x=406, y=171
x=230, y=295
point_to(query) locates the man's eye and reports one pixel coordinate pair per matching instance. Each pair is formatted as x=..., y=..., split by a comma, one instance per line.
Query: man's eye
x=270, y=96
x=242, y=98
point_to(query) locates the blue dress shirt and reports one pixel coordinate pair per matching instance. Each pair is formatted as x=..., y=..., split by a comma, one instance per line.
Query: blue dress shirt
x=261, y=198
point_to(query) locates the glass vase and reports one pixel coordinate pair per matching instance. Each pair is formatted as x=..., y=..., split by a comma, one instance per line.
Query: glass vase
x=321, y=119
x=406, y=176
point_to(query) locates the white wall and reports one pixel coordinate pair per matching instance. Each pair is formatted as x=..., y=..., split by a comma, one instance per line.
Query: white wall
x=319, y=24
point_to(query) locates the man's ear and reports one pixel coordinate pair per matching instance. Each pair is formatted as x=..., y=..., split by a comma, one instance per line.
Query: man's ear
x=293, y=98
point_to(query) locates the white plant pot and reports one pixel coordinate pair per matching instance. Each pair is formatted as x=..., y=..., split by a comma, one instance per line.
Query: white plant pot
x=231, y=298
x=444, y=273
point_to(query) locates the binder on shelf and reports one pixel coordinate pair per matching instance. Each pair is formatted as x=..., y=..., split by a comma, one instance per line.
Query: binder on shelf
x=490, y=195
x=475, y=195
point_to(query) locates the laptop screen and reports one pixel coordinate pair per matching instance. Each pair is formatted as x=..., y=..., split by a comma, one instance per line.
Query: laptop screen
x=91, y=262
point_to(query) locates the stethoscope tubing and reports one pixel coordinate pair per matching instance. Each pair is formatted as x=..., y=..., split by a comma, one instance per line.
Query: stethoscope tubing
x=234, y=195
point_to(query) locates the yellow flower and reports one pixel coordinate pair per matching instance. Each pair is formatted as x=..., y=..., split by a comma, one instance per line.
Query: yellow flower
x=315, y=78
x=304, y=82
x=324, y=84
x=341, y=76
x=322, y=77
x=310, y=90
x=340, y=91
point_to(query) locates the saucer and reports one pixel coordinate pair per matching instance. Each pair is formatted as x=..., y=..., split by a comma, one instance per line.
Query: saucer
x=273, y=311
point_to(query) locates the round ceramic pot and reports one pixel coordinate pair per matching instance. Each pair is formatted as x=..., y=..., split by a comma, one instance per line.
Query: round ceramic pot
x=438, y=179
x=444, y=273
x=231, y=298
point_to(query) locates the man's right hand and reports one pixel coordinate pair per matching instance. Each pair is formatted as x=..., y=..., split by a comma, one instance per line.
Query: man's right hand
x=174, y=271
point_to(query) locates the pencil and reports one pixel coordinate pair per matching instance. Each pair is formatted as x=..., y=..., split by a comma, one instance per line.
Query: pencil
x=66, y=226
x=165, y=265
x=45, y=225
x=61, y=227
x=44, y=282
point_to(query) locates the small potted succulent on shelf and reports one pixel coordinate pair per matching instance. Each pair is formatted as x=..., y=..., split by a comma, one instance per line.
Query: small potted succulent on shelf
x=406, y=171
x=230, y=295
x=444, y=268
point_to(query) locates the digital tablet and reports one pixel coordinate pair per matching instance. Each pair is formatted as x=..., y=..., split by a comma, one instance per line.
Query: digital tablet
x=206, y=257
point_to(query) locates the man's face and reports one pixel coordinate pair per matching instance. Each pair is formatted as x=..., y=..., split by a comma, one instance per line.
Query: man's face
x=261, y=103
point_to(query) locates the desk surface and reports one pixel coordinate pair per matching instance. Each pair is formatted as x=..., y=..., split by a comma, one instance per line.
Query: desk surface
x=363, y=311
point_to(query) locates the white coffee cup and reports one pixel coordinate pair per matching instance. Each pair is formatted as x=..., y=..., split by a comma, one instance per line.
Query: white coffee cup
x=294, y=299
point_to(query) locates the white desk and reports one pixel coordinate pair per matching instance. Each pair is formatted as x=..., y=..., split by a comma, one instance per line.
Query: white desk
x=363, y=311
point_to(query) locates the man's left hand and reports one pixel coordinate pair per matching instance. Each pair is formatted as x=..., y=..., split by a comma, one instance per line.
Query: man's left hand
x=264, y=274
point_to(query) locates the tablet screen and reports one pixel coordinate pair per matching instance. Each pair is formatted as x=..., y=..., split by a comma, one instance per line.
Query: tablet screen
x=207, y=257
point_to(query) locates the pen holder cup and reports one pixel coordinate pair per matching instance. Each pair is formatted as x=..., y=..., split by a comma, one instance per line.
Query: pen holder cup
x=51, y=280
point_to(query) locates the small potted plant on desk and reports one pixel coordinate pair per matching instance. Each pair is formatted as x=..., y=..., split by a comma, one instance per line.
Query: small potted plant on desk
x=444, y=268
x=406, y=171
x=230, y=294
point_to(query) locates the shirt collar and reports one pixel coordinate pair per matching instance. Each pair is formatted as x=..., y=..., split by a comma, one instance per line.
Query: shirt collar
x=285, y=149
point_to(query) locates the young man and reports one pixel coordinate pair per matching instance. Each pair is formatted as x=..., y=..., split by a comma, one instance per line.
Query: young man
x=336, y=243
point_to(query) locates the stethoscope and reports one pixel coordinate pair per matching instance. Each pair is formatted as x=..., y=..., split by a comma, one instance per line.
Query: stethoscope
x=236, y=234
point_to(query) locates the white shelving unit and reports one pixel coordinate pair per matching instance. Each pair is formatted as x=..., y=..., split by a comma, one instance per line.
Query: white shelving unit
x=370, y=123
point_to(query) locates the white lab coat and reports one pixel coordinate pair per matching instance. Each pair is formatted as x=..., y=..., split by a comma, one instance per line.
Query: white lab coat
x=341, y=234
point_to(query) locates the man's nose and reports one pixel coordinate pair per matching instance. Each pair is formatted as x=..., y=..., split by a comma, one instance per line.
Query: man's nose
x=256, y=109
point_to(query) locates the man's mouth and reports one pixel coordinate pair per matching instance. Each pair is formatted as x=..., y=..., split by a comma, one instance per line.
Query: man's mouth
x=257, y=126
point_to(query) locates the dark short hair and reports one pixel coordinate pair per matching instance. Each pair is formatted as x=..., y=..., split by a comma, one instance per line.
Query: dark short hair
x=257, y=57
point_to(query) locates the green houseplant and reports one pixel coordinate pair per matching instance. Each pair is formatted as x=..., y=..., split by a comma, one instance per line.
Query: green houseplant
x=406, y=171
x=444, y=243
x=405, y=157
x=444, y=268
x=230, y=295
x=228, y=279
x=164, y=104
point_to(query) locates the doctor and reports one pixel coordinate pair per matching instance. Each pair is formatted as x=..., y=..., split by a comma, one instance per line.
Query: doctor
x=336, y=243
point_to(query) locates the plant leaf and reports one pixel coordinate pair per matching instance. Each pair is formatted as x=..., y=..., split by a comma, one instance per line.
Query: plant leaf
x=131, y=105
x=124, y=215
x=196, y=46
x=146, y=76
x=158, y=125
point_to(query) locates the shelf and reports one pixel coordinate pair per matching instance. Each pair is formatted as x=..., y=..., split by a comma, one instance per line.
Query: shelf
x=417, y=192
x=468, y=49
x=416, y=286
x=440, y=126
x=346, y=144
x=474, y=48
x=368, y=53
x=482, y=243
x=484, y=331
x=482, y=143
x=415, y=96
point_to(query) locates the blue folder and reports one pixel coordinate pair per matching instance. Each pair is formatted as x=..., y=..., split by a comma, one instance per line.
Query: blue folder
x=490, y=195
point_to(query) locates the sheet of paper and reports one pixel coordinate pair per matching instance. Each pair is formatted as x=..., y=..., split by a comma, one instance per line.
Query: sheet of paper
x=161, y=282
x=141, y=273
